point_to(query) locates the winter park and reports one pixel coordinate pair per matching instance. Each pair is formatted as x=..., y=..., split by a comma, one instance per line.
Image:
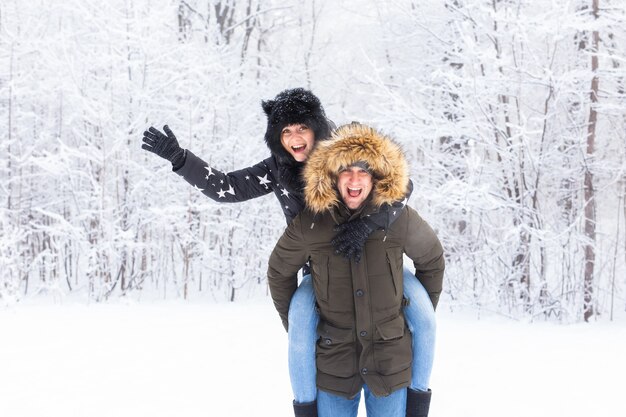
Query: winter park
x=312, y=208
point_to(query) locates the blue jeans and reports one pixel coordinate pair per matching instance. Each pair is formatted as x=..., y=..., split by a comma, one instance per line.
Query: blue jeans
x=394, y=405
x=420, y=318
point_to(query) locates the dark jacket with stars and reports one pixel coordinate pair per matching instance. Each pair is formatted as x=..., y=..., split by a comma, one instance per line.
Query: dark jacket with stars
x=258, y=180
x=268, y=176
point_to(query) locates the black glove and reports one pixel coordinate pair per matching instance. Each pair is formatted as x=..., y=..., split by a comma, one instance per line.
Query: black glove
x=351, y=238
x=166, y=147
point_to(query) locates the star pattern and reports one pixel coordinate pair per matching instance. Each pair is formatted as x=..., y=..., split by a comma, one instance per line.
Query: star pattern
x=221, y=193
x=230, y=190
x=208, y=168
x=284, y=192
x=264, y=181
x=197, y=188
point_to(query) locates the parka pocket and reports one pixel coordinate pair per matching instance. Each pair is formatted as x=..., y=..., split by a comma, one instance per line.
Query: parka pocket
x=392, y=329
x=394, y=259
x=336, y=350
x=319, y=272
x=392, y=346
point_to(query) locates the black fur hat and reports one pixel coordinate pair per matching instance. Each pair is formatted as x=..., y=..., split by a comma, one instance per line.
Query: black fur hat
x=289, y=107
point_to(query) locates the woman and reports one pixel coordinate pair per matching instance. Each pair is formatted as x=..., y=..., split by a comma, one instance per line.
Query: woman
x=295, y=121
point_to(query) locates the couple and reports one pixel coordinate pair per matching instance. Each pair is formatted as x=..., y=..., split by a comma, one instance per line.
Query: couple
x=346, y=320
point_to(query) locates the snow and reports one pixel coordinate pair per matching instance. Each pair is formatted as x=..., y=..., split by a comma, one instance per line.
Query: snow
x=191, y=359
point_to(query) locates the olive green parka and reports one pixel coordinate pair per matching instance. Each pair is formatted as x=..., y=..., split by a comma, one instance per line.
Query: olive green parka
x=363, y=337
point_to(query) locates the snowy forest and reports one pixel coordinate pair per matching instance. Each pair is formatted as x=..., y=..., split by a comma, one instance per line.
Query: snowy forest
x=512, y=114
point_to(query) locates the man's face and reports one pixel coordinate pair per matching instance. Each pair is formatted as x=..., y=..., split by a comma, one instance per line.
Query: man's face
x=298, y=140
x=354, y=185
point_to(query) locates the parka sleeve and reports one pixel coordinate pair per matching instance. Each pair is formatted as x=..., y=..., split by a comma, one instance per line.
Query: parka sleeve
x=288, y=256
x=426, y=252
x=232, y=187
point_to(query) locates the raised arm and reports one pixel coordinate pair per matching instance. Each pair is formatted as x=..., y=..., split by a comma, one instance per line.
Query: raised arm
x=231, y=187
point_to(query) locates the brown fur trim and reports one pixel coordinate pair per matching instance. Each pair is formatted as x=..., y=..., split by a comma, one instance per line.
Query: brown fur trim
x=349, y=144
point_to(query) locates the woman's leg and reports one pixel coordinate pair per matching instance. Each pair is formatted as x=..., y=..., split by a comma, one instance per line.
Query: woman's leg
x=393, y=405
x=420, y=317
x=302, y=340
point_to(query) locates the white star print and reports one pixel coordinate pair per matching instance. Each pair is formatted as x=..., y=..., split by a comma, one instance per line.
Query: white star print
x=263, y=180
x=222, y=193
x=210, y=172
x=247, y=177
x=394, y=212
x=287, y=207
x=199, y=189
x=230, y=190
x=284, y=192
x=221, y=181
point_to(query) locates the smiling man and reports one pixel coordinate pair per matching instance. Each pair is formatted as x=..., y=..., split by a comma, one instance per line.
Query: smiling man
x=354, y=184
x=363, y=341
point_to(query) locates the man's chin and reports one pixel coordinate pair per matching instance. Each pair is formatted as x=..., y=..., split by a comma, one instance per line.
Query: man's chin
x=353, y=205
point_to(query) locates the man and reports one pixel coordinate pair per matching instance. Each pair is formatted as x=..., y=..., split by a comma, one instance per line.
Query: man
x=363, y=341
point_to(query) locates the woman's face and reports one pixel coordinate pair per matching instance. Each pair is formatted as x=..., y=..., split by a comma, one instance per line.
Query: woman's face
x=298, y=140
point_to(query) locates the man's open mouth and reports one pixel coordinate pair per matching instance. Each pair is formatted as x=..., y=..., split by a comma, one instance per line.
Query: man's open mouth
x=354, y=192
x=298, y=148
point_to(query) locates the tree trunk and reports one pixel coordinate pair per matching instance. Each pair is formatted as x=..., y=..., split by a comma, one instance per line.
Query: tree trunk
x=590, y=206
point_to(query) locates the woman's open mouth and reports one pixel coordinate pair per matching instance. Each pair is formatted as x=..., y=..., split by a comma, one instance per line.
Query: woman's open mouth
x=298, y=148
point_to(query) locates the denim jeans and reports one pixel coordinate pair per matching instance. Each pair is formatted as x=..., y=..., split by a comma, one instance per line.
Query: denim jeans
x=330, y=405
x=303, y=319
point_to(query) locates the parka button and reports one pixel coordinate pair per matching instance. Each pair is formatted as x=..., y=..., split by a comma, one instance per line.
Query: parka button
x=363, y=333
x=328, y=341
x=359, y=293
x=364, y=371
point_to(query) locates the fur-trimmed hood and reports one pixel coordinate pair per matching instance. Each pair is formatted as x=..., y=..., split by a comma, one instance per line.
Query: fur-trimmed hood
x=348, y=145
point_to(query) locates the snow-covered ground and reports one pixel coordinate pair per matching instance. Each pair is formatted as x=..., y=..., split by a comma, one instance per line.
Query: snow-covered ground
x=181, y=359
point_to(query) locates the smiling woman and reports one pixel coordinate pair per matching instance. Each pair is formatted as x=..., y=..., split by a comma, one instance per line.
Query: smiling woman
x=298, y=140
